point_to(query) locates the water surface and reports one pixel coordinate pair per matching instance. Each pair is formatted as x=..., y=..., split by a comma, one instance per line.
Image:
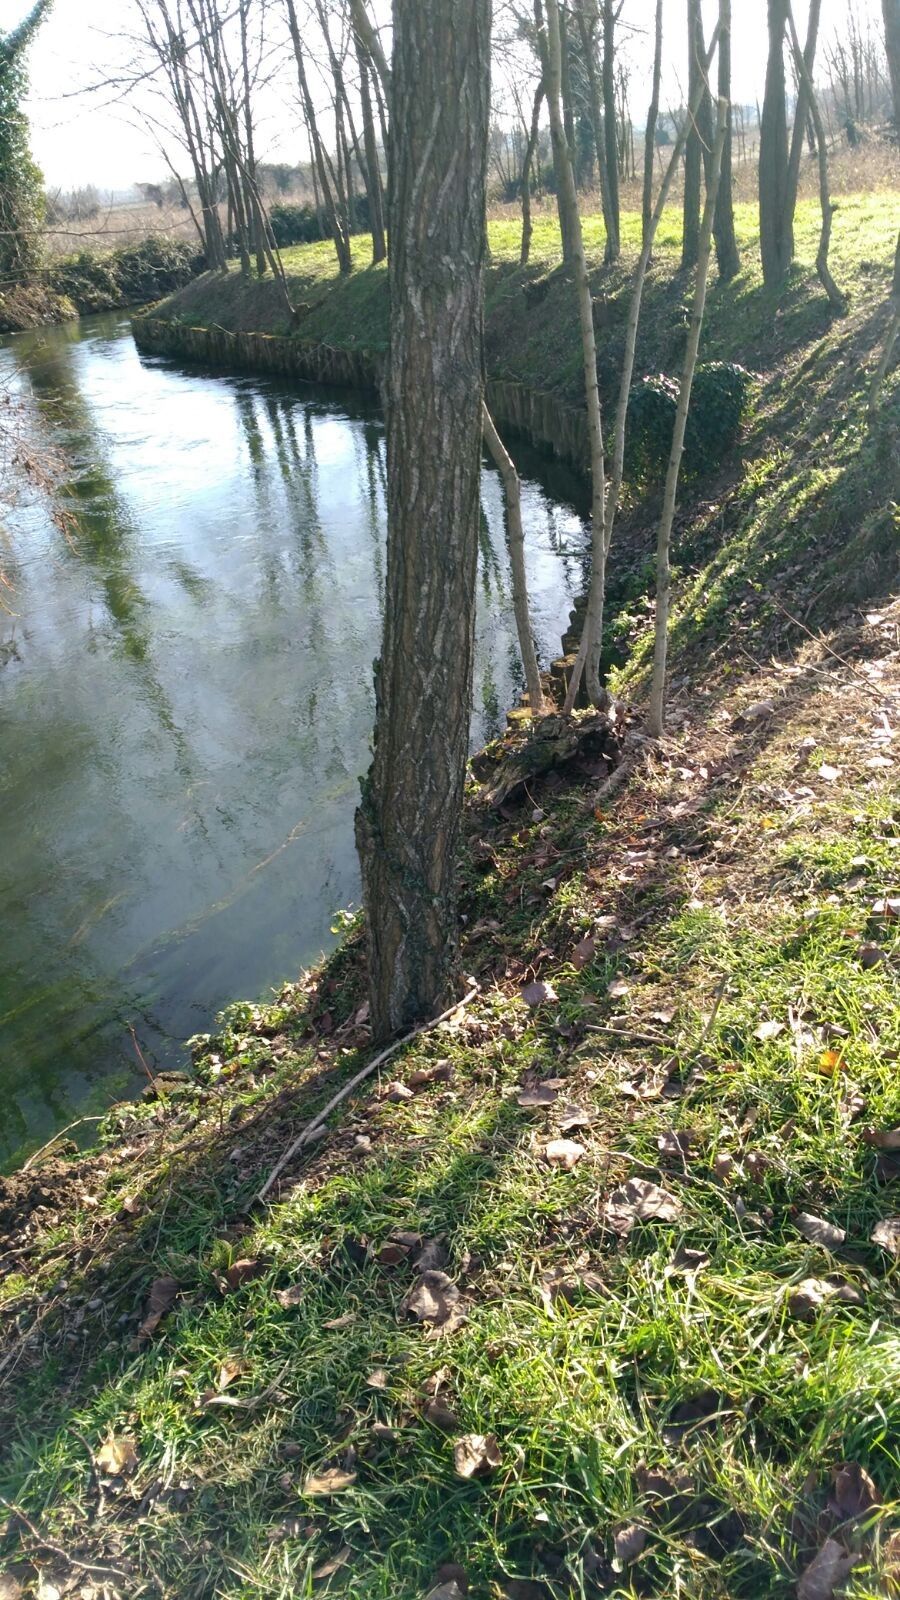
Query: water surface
x=186, y=700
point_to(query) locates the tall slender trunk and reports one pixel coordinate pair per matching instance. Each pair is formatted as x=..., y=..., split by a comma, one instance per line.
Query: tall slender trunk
x=776, y=218
x=259, y=232
x=613, y=227
x=337, y=224
x=559, y=144
x=890, y=339
x=837, y=299
x=727, y=254
x=802, y=113
x=588, y=340
x=407, y=825
x=516, y=539
x=374, y=188
x=699, y=142
x=652, y=119
x=591, y=642
x=891, y=13
x=527, y=164
x=657, y=708
x=588, y=26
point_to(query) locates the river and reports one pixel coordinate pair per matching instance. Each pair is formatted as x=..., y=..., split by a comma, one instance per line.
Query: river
x=186, y=699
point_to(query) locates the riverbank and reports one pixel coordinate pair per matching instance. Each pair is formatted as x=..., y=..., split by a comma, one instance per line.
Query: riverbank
x=591, y=1290
x=93, y=281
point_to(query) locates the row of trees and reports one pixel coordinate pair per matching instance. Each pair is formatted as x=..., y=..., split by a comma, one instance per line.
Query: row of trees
x=408, y=821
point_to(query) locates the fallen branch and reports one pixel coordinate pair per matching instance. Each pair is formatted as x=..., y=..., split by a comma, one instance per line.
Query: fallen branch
x=57, y=1550
x=33, y=1159
x=312, y=1128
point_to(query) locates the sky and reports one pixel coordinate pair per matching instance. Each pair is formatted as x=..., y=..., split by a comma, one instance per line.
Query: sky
x=82, y=136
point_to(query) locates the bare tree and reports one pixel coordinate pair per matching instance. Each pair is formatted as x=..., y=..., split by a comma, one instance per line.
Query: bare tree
x=776, y=217
x=838, y=300
x=333, y=205
x=656, y=712
x=611, y=14
x=528, y=158
x=727, y=253
x=699, y=142
x=408, y=821
x=516, y=539
x=589, y=29
x=891, y=12
x=652, y=119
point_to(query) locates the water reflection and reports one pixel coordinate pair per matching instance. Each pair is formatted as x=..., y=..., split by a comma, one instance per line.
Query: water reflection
x=186, y=701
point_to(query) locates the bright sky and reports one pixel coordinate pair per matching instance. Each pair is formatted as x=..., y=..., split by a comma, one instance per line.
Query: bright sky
x=79, y=137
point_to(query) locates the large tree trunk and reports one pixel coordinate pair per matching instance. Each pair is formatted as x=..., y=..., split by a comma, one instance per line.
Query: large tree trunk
x=776, y=217
x=408, y=822
x=656, y=712
x=699, y=141
x=650, y=134
x=891, y=10
x=727, y=254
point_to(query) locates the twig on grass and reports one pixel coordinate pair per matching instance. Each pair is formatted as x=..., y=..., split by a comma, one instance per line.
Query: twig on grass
x=56, y=1549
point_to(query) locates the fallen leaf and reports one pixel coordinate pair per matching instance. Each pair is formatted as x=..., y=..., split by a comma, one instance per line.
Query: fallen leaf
x=888, y=1139
x=434, y=1299
x=584, y=953
x=161, y=1300
x=536, y=994
x=10, y=1587
x=47, y=1590
x=244, y=1271
x=825, y=1573
x=529, y=1099
x=432, y=1257
x=392, y=1254
x=639, y=1200
x=451, y=1582
x=806, y=1299
x=854, y=1493
x=830, y=1062
x=818, y=1231
x=628, y=1543
x=564, y=1153
x=677, y=1144
x=756, y=1164
x=476, y=1454
x=768, y=1030
x=118, y=1456
x=828, y=773
x=446, y=1591
x=870, y=955
x=887, y=908
x=290, y=1297
x=336, y=1323
x=396, y=1092
x=688, y=1261
x=440, y=1416
x=723, y=1166
x=618, y=988
x=329, y=1568
x=332, y=1481
x=377, y=1379
x=230, y=1369
x=665, y=1016
x=887, y=1234
x=573, y=1117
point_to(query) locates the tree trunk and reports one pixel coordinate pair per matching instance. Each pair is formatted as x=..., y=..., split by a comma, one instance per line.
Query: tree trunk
x=337, y=223
x=776, y=218
x=727, y=254
x=374, y=187
x=588, y=349
x=527, y=163
x=699, y=141
x=890, y=339
x=891, y=11
x=837, y=300
x=656, y=713
x=613, y=226
x=516, y=539
x=802, y=113
x=588, y=24
x=652, y=119
x=408, y=822
x=591, y=642
x=559, y=144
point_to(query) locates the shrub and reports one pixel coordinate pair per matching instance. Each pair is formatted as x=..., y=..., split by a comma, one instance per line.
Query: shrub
x=719, y=401
x=104, y=281
x=303, y=224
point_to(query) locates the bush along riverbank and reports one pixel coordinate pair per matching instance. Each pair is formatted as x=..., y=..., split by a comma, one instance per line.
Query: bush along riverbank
x=591, y=1289
x=96, y=280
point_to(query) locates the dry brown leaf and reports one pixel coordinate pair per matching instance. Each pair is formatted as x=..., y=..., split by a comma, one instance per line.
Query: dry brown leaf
x=687, y=1261
x=828, y=773
x=639, y=1200
x=677, y=1144
x=432, y=1257
x=336, y=1323
x=887, y=1234
x=540, y=1095
x=818, y=1231
x=886, y=909
x=723, y=1166
x=806, y=1299
x=628, y=1543
x=244, y=1271
x=825, y=1573
x=161, y=1299
x=854, y=1493
x=10, y=1587
x=618, y=989
x=537, y=994
x=291, y=1296
x=573, y=1117
x=565, y=1153
x=768, y=1030
x=395, y=1092
x=886, y=1139
x=332, y=1481
x=584, y=953
x=434, y=1299
x=329, y=1568
x=377, y=1379
x=118, y=1456
x=476, y=1454
x=440, y=1416
x=870, y=955
x=392, y=1254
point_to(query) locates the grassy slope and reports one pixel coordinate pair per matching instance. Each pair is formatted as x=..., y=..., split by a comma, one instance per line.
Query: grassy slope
x=733, y=883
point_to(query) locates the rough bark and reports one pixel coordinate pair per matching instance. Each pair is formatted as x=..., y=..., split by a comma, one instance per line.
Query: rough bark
x=656, y=713
x=652, y=119
x=569, y=199
x=515, y=534
x=727, y=253
x=837, y=299
x=699, y=140
x=408, y=822
x=776, y=220
x=891, y=12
